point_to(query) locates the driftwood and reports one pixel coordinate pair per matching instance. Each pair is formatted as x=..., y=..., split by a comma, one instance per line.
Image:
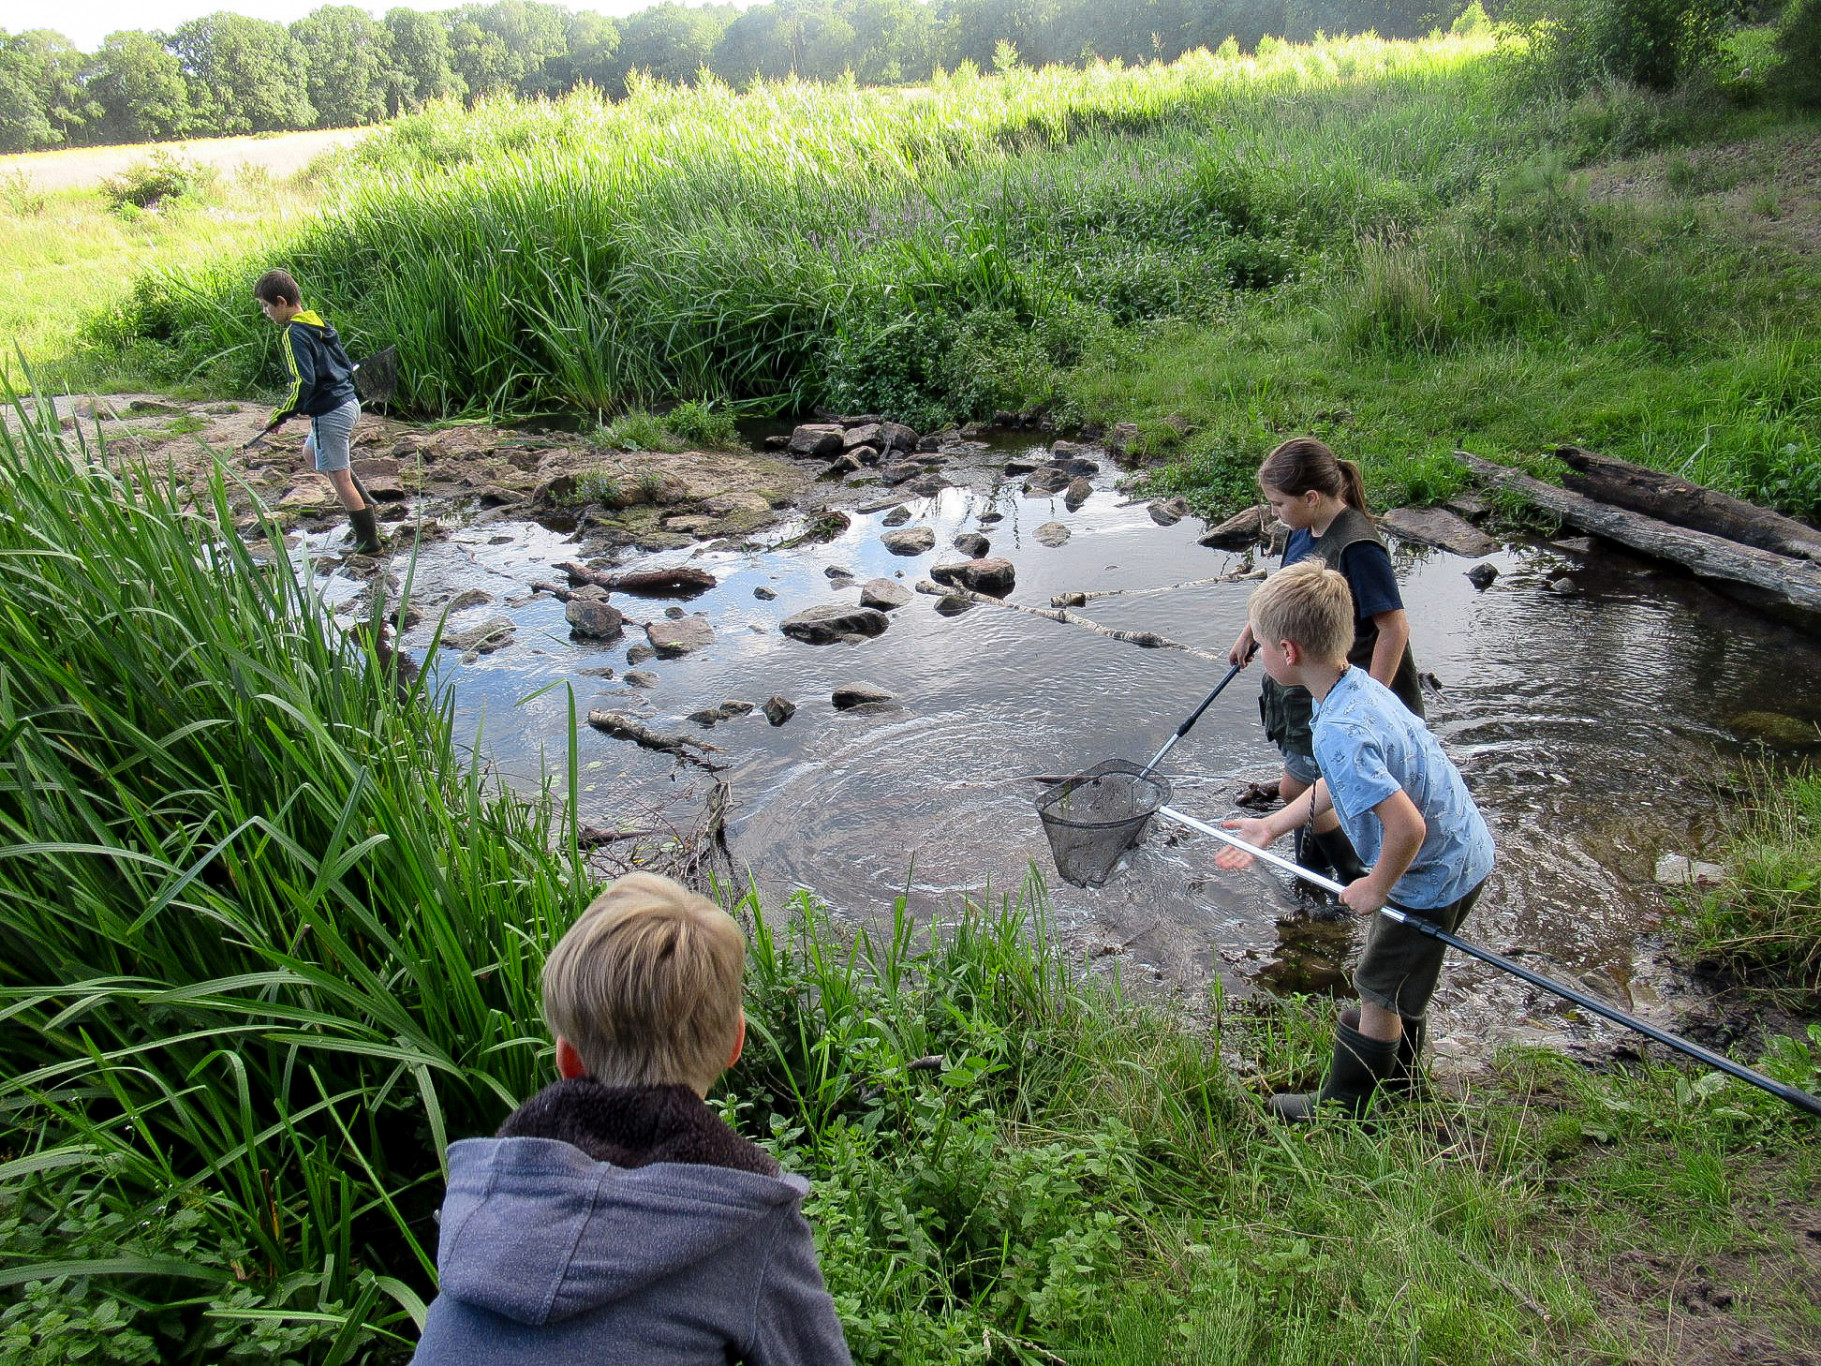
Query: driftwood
x=623, y=727
x=1077, y=598
x=681, y=582
x=1148, y=640
x=1777, y=578
x=1677, y=501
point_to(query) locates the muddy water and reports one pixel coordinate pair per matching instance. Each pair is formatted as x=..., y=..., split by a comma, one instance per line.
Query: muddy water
x=1585, y=725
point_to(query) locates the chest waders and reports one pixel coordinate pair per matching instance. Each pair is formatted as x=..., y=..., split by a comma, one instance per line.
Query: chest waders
x=1288, y=712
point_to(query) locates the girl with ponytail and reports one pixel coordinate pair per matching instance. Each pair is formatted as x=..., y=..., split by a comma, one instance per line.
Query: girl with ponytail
x=1322, y=499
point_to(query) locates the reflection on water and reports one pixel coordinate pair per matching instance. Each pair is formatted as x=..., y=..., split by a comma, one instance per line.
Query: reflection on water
x=1584, y=725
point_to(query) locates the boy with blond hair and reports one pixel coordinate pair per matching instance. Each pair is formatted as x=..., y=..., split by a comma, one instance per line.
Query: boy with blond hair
x=615, y=1218
x=1403, y=805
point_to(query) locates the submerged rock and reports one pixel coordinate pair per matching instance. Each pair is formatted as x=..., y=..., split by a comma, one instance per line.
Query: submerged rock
x=953, y=605
x=898, y=516
x=1047, y=481
x=830, y=622
x=1482, y=575
x=1051, y=534
x=779, y=709
x=972, y=544
x=764, y=594
x=483, y=639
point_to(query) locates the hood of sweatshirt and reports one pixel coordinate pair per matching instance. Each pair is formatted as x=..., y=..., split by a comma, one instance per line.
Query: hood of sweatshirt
x=536, y=1230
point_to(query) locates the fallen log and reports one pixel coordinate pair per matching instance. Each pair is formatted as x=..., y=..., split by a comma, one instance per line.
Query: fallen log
x=1148, y=640
x=681, y=582
x=1777, y=578
x=1682, y=503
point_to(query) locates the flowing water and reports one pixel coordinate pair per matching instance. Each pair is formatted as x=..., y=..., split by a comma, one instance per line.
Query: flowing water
x=1590, y=727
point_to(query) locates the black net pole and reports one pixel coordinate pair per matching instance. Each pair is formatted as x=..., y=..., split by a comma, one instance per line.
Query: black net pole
x=1800, y=1099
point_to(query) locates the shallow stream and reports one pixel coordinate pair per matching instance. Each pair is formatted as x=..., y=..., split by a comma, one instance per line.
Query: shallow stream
x=1591, y=727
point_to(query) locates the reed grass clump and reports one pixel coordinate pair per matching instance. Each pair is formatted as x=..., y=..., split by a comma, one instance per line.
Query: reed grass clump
x=797, y=244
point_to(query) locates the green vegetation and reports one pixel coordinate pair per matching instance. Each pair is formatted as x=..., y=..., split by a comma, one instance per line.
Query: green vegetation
x=267, y=943
x=1766, y=922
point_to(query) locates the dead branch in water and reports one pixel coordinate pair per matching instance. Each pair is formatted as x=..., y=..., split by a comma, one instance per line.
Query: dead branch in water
x=1148, y=640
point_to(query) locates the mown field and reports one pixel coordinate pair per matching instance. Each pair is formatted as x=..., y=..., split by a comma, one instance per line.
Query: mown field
x=269, y=939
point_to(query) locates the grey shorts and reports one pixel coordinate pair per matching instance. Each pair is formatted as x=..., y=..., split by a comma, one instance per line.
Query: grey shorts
x=330, y=435
x=1301, y=767
x=1400, y=966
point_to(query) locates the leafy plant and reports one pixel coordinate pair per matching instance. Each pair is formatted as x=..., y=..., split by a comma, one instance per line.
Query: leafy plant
x=162, y=177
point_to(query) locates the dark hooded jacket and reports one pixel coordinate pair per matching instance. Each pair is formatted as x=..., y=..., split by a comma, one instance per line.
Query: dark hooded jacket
x=607, y=1225
x=322, y=376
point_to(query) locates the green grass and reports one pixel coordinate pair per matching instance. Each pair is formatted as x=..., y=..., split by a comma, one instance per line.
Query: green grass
x=66, y=255
x=1765, y=922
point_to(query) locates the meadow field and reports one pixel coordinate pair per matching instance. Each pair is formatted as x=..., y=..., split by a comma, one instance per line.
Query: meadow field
x=271, y=933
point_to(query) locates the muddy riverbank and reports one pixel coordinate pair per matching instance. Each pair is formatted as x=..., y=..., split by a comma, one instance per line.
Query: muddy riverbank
x=1595, y=702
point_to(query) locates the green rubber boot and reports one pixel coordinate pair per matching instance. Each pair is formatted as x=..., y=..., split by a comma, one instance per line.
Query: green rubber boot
x=364, y=525
x=1407, y=1070
x=1359, y=1065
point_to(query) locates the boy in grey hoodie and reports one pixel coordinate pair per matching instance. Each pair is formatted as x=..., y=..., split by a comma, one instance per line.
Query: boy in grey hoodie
x=615, y=1218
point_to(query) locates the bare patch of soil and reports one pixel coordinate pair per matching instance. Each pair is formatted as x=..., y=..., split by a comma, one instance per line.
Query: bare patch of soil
x=1750, y=1306
x=1772, y=185
x=80, y=167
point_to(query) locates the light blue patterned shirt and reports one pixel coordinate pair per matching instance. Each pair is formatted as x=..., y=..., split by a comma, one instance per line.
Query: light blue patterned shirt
x=1369, y=746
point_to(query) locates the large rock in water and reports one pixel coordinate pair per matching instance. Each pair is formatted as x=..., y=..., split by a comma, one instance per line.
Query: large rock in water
x=884, y=594
x=831, y=621
x=1439, y=527
x=910, y=540
x=1051, y=534
x=993, y=577
x=594, y=620
x=1242, y=529
x=673, y=638
x=858, y=695
x=972, y=544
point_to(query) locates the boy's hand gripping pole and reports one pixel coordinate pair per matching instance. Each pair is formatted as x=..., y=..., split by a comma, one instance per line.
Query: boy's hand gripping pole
x=1719, y=1062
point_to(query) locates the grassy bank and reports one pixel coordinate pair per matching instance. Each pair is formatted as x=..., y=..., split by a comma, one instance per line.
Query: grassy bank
x=268, y=941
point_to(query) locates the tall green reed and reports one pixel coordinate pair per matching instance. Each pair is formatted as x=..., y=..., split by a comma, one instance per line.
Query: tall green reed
x=268, y=936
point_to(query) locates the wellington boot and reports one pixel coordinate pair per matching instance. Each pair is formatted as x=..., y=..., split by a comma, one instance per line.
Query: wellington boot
x=1359, y=1065
x=1407, y=1071
x=1309, y=854
x=1340, y=854
x=364, y=527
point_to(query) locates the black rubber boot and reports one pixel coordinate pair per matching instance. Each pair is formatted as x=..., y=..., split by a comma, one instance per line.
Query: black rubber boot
x=1338, y=850
x=1359, y=1065
x=1310, y=855
x=1407, y=1071
x=365, y=528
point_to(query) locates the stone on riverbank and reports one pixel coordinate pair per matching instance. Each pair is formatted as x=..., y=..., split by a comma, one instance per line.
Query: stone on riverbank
x=1242, y=529
x=1168, y=513
x=1439, y=527
x=817, y=439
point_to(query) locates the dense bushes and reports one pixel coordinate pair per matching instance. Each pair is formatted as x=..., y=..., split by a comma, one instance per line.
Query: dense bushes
x=1797, y=76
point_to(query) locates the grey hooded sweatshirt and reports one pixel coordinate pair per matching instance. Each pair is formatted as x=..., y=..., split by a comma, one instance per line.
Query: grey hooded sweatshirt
x=691, y=1249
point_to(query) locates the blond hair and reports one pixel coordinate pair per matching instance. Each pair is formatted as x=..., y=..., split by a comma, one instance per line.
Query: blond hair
x=646, y=985
x=1309, y=604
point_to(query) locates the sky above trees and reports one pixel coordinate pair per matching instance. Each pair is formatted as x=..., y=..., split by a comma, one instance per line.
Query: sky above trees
x=86, y=23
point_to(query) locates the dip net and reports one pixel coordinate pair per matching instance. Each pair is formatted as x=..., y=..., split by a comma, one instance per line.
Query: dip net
x=1094, y=817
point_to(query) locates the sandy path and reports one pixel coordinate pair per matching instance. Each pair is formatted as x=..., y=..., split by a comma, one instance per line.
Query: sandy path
x=79, y=167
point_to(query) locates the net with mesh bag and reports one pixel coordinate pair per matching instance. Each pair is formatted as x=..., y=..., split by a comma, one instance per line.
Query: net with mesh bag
x=1094, y=817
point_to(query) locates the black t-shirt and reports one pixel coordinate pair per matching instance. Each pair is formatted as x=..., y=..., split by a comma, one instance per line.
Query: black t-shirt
x=1367, y=568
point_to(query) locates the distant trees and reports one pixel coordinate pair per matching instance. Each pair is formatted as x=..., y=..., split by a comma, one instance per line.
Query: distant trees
x=339, y=66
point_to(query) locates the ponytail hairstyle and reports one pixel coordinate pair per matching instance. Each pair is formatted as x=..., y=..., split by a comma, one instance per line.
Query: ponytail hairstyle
x=1302, y=463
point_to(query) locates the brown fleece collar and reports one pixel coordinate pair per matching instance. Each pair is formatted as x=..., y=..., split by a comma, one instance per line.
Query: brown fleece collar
x=631, y=1126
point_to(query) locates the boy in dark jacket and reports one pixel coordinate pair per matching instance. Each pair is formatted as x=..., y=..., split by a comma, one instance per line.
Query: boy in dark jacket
x=322, y=389
x=615, y=1218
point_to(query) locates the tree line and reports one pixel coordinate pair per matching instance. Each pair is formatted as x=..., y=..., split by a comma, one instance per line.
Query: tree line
x=227, y=74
